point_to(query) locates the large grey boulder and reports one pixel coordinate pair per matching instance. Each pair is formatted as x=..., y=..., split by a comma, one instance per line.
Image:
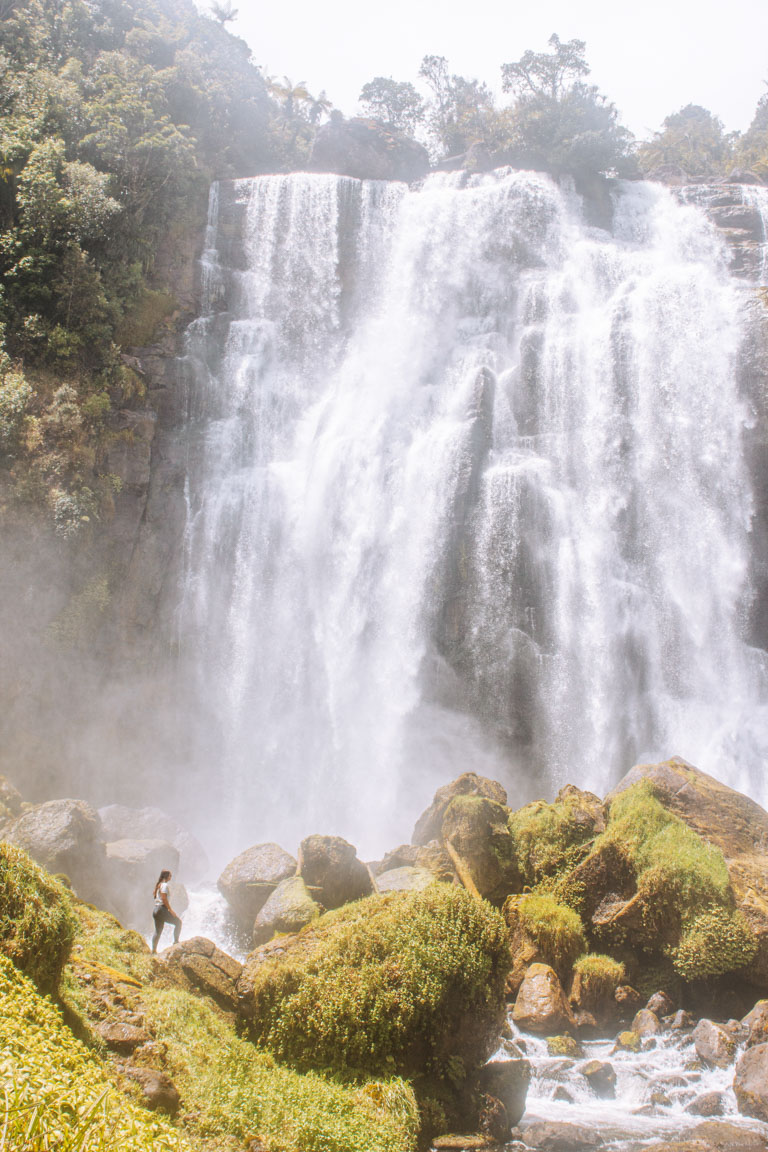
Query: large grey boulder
x=206, y=970
x=368, y=150
x=122, y=823
x=289, y=908
x=331, y=870
x=132, y=870
x=248, y=881
x=429, y=825
x=750, y=1084
x=64, y=836
x=713, y=1044
x=405, y=879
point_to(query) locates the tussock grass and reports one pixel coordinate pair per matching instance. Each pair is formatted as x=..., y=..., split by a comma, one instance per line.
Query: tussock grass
x=556, y=929
x=599, y=976
x=37, y=924
x=715, y=942
x=549, y=838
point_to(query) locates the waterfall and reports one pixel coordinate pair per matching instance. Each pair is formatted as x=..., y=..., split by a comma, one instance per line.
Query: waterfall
x=466, y=491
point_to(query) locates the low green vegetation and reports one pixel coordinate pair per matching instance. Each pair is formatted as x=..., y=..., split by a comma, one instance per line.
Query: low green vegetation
x=56, y=1095
x=599, y=977
x=557, y=931
x=408, y=983
x=715, y=942
x=37, y=923
x=550, y=838
x=233, y=1089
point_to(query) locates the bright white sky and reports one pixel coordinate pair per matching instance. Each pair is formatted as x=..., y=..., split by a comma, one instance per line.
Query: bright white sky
x=650, y=58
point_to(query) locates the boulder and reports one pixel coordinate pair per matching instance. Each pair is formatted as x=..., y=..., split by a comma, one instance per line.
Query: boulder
x=601, y=1077
x=207, y=970
x=476, y=829
x=661, y=1004
x=713, y=1044
x=541, y=1005
x=646, y=1023
x=430, y=823
x=10, y=798
x=288, y=909
x=368, y=150
x=405, y=879
x=708, y=1104
x=750, y=1083
x=431, y=856
x=247, y=881
x=724, y=1137
x=159, y=1093
x=64, y=836
x=332, y=872
x=756, y=1024
x=628, y=1042
x=680, y=1021
x=132, y=869
x=122, y=1037
x=508, y=1081
x=565, y=1046
x=730, y=821
x=559, y=1136
x=122, y=823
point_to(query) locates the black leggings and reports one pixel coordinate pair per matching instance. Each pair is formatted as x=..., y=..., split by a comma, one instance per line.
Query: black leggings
x=161, y=917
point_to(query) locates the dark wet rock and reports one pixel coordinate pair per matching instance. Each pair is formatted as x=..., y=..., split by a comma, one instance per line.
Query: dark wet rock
x=756, y=1024
x=646, y=1023
x=628, y=999
x=405, y=879
x=541, y=1005
x=368, y=150
x=508, y=1081
x=713, y=1044
x=587, y=1025
x=247, y=881
x=158, y=1090
x=329, y=867
x=750, y=1083
x=708, y=1104
x=601, y=1077
x=288, y=909
x=661, y=1004
x=64, y=836
x=122, y=1037
x=680, y=1021
x=553, y=1136
x=122, y=823
x=492, y=1119
x=430, y=823
x=563, y=1094
x=207, y=970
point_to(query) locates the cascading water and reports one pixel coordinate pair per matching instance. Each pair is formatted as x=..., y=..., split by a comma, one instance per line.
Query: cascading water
x=466, y=490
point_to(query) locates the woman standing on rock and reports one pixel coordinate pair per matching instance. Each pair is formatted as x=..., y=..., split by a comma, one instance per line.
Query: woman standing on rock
x=162, y=913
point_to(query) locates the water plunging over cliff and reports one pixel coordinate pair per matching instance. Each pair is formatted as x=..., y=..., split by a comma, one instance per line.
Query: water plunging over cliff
x=467, y=490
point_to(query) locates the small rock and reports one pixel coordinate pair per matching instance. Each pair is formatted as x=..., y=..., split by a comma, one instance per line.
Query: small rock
x=646, y=1023
x=470, y=1143
x=659, y=1099
x=565, y=1046
x=661, y=1004
x=601, y=1077
x=627, y=998
x=713, y=1044
x=679, y=1022
x=552, y=1136
x=708, y=1104
x=627, y=1042
x=756, y=1024
x=122, y=1037
x=541, y=1005
x=562, y=1093
x=159, y=1091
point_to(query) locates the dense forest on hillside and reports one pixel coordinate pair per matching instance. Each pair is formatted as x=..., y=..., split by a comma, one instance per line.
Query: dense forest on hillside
x=115, y=115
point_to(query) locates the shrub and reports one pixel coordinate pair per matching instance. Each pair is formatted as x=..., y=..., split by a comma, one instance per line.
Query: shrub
x=550, y=838
x=556, y=929
x=233, y=1089
x=55, y=1093
x=37, y=924
x=599, y=976
x=407, y=983
x=715, y=942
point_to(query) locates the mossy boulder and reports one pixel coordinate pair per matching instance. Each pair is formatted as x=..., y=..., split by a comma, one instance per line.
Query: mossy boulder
x=204, y=968
x=430, y=823
x=405, y=879
x=431, y=856
x=247, y=881
x=406, y=983
x=289, y=908
x=476, y=829
x=63, y=836
x=543, y=931
x=329, y=867
x=37, y=923
x=551, y=838
x=596, y=979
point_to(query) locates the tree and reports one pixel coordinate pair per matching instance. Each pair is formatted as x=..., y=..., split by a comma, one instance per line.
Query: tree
x=752, y=149
x=223, y=12
x=395, y=102
x=461, y=112
x=558, y=122
x=692, y=145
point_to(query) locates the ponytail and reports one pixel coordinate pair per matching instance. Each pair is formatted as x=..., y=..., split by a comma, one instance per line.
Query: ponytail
x=164, y=875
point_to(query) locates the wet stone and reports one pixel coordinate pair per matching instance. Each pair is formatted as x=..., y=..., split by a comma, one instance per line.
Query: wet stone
x=553, y=1136
x=708, y=1104
x=601, y=1077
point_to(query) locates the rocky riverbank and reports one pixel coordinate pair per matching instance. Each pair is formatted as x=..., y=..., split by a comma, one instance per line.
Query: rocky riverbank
x=606, y=958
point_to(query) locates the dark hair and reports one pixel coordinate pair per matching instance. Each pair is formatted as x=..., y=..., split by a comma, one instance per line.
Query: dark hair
x=164, y=875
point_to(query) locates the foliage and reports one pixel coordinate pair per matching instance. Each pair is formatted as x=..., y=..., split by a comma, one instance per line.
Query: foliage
x=550, y=838
x=394, y=102
x=102, y=939
x=692, y=145
x=557, y=930
x=718, y=940
x=56, y=1095
x=752, y=149
x=404, y=983
x=461, y=112
x=37, y=924
x=560, y=123
x=599, y=977
x=232, y=1088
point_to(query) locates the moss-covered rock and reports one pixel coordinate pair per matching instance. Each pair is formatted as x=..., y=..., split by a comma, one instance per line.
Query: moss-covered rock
x=407, y=983
x=717, y=941
x=476, y=828
x=37, y=924
x=430, y=823
x=551, y=838
x=544, y=929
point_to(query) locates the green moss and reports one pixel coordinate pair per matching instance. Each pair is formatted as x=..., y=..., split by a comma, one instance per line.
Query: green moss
x=550, y=838
x=653, y=977
x=101, y=939
x=37, y=924
x=715, y=942
x=146, y=314
x=628, y=1042
x=565, y=1046
x=56, y=1095
x=599, y=977
x=399, y=983
x=232, y=1089
x=557, y=930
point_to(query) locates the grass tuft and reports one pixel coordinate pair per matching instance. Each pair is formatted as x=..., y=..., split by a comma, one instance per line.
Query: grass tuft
x=557, y=930
x=37, y=923
x=715, y=942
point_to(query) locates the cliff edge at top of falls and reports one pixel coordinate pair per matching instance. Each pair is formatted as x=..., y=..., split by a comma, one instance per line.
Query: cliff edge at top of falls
x=368, y=150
